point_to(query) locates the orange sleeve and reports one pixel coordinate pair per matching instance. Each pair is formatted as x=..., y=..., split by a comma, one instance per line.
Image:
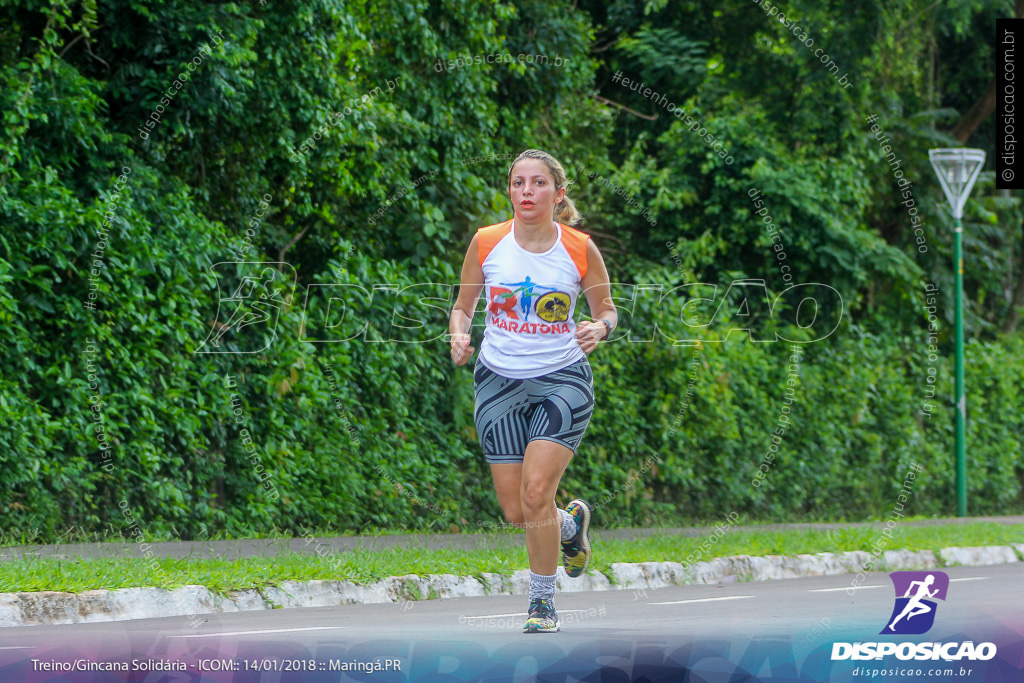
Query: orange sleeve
x=575, y=242
x=490, y=236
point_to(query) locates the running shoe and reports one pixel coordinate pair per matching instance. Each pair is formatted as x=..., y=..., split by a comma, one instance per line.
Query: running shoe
x=543, y=617
x=576, y=551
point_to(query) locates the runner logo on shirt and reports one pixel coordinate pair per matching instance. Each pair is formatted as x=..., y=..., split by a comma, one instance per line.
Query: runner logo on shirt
x=512, y=303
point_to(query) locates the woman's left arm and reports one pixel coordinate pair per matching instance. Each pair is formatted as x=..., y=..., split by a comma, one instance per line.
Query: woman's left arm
x=598, y=289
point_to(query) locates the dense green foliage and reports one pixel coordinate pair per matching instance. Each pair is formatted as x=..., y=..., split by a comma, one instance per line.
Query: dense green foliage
x=361, y=144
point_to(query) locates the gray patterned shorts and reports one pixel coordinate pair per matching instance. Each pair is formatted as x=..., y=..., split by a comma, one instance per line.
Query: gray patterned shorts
x=509, y=413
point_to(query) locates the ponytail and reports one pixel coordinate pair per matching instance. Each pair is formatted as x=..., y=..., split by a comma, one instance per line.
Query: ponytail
x=566, y=212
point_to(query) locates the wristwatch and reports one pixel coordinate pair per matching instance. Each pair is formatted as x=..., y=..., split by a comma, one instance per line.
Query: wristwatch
x=608, y=331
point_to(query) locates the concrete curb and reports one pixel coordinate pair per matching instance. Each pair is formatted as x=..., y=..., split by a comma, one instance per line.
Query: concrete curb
x=50, y=607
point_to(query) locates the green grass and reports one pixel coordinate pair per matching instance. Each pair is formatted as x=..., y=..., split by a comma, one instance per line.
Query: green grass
x=502, y=555
x=796, y=541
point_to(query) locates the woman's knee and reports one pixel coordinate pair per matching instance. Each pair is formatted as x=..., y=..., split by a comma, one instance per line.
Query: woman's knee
x=536, y=500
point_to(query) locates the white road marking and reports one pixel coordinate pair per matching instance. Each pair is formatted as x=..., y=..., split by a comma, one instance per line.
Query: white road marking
x=256, y=633
x=857, y=588
x=683, y=602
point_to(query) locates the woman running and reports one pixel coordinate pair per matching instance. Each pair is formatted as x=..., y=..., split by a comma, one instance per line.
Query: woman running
x=533, y=383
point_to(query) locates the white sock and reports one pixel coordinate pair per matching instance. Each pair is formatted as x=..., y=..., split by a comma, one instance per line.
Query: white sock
x=542, y=587
x=568, y=525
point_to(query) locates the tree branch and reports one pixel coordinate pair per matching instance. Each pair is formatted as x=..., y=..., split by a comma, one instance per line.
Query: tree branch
x=280, y=254
x=70, y=44
x=979, y=111
x=605, y=100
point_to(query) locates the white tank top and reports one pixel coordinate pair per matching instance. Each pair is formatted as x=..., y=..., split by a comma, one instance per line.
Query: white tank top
x=530, y=299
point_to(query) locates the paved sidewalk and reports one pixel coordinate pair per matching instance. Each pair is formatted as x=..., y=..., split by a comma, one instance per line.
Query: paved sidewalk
x=235, y=549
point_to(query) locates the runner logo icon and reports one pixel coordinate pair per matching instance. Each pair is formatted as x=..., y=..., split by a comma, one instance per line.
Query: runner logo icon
x=246, y=320
x=914, y=611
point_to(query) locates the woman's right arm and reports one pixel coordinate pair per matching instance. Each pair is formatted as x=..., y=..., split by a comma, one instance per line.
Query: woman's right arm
x=460, y=322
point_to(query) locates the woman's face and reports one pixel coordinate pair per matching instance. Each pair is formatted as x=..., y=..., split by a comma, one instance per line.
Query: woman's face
x=532, y=190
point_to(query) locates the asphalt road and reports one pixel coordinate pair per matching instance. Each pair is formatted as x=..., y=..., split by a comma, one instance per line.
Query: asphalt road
x=765, y=631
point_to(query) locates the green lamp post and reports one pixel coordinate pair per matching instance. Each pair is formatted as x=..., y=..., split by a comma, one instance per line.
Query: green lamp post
x=957, y=170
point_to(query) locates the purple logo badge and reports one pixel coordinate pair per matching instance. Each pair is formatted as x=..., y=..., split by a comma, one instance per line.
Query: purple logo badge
x=914, y=612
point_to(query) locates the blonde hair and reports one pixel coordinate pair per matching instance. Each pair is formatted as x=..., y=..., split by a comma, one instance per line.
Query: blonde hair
x=565, y=211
